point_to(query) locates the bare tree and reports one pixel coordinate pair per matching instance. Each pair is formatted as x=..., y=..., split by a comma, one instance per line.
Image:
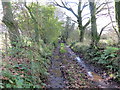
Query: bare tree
x=81, y=7
x=94, y=11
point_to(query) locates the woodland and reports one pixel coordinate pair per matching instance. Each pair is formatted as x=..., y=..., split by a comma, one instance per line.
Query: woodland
x=64, y=44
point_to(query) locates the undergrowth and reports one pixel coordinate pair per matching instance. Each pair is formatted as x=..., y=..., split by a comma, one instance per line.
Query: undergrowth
x=25, y=66
x=107, y=58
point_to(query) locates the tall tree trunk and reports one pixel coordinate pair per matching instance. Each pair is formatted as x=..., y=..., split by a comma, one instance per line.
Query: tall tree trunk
x=8, y=20
x=67, y=28
x=80, y=26
x=94, y=34
x=81, y=29
x=117, y=13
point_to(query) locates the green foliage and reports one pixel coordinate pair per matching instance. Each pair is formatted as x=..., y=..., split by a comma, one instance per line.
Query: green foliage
x=109, y=50
x=62, y=48
x=49, y=28
x=16, y=81
x=108, y=58
x=74, y=36
x=16, y=51
x=80, y=48
x=38, y=53
x=38, y=61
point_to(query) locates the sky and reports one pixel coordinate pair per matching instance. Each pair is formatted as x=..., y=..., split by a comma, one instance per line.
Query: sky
x=101, y=21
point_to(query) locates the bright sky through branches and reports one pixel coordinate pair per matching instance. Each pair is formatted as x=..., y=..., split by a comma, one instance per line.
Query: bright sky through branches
x=101, y=21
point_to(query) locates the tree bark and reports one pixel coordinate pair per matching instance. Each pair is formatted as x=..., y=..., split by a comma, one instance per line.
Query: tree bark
x=94, y=34
x=9, y=21
x=80, y=22
x=117, y=13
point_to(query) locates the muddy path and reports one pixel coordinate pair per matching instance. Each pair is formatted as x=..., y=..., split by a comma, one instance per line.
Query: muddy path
x=56, y=78
x=66, y=72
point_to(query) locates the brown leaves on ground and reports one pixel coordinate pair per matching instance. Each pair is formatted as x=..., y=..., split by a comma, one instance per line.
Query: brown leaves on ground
x=9, y=65
x=74, y=75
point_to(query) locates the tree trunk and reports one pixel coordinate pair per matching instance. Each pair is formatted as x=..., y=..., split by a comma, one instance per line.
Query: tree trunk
x=82, y=31
x=80, y=26
x=94, y=34
x=67, y=28
x=8, y=20
x=117, y=12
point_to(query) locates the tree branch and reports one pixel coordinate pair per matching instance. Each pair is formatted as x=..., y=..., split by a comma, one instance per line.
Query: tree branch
x=30, y=12
x=67, y=8
x=72, y=19
x=101, y=7
x=88, y=22
x=112, y=20
x=85, y=5
x=103, y=29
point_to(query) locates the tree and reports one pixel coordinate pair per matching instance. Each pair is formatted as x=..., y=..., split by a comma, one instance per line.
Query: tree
x=117, y=13
x=78, y=16
x=36, y=27
x=9, y=21
x=95, y=37
x=111, y=18
x=40, y=22
x=94, y=34
x=67, y=30
x=81, y=6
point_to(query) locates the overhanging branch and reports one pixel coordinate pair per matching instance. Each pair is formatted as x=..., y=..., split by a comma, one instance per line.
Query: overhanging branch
x=67, y=8
x=103, y=29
